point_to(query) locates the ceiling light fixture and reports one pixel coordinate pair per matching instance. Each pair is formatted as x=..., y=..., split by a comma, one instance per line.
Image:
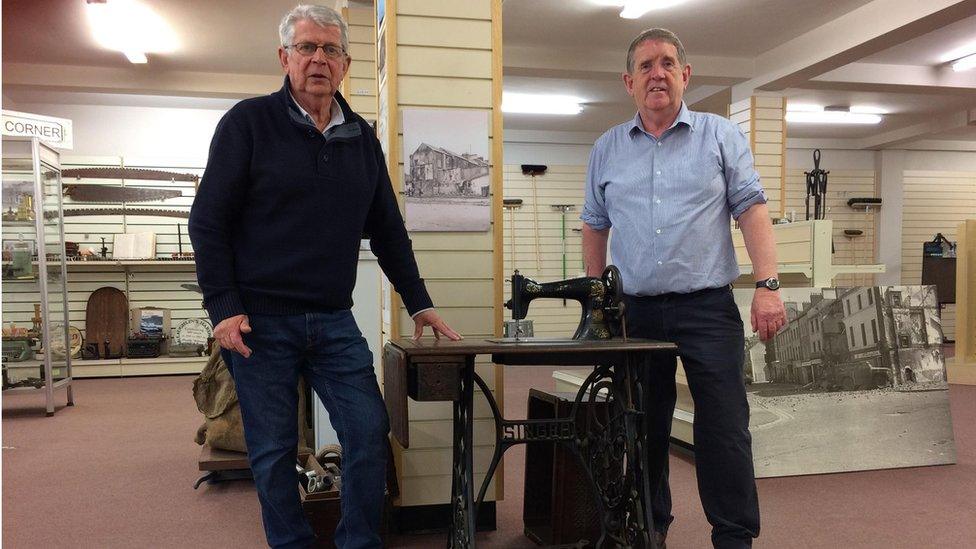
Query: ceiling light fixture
x=965, y=63
x=833, y=114
x=864, y=109
x=129, y=27
x=540, y=104
x=832, y=117
x=958, y=53
x=632, y=9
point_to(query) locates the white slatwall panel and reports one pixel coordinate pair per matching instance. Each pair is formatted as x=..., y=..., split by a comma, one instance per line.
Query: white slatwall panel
x=934, y=202
x=841, y=186
x=761, y=119
x=444, y=60
x=538, y=253
x=360, y=86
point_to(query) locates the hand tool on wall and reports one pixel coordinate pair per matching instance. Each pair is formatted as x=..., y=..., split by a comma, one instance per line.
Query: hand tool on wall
x=517, y=327
x=533, y=170
x=817, y=188
x=73, y=212
x=562, y=209
x=117, y=172
x=111, y=194
x=512, y=204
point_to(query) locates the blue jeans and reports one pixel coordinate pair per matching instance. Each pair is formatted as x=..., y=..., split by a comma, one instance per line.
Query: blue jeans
x=707, y=328
x=330, y=352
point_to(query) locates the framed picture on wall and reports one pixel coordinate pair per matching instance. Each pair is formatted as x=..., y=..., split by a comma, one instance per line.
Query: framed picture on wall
x=445, y=163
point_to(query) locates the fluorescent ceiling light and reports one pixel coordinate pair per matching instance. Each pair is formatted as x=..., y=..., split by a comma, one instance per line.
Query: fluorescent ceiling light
x=540, y=104
x=130, y=27
x=632, y=9
x=136, y=57
x=815, y=114
x=864, y=109
x=832, y=117
x=960, y=52
x=965, y=63
x=803, y=107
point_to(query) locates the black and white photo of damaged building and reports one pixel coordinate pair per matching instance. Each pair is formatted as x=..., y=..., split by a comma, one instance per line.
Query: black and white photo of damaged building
x=446, y=179
x=435, y=171
x=856, y=338
x=855, y=381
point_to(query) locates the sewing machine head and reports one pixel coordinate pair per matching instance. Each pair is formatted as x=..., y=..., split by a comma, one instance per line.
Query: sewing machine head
x=600, y=298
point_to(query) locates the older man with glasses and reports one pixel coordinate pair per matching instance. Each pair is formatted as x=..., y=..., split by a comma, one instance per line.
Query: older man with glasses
x=293, y=181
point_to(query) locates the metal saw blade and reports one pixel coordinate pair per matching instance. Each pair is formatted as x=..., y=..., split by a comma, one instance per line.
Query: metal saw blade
x=110, y=194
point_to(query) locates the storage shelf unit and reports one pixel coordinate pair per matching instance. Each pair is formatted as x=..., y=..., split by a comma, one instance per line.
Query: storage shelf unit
x=32, y=187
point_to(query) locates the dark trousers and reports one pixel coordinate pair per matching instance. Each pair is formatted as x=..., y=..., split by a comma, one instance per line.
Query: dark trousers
x=330, y=352
x=708, y=330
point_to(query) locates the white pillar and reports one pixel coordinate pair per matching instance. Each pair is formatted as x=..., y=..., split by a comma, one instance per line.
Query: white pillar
x=890, y=175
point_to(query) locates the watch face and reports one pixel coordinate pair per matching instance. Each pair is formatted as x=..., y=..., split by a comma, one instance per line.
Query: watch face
x=772, y=283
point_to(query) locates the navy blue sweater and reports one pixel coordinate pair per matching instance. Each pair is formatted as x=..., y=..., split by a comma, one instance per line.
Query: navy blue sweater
x=277, y=221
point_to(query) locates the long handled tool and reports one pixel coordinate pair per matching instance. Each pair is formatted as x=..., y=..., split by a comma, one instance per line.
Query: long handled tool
x=562, y=209
x=514, y=328
x=533, y=170
x=512, y=204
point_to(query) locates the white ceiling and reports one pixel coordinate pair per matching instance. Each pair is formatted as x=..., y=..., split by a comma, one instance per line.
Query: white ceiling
x=729, y=28
x=830, y=52
x=927, y=50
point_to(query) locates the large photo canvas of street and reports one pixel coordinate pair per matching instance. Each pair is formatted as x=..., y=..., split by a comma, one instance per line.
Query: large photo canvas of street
x=855, y=381
x=445, y=164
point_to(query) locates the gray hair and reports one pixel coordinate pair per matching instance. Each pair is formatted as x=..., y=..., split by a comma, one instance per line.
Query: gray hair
x=655, y=34
x=320, y=15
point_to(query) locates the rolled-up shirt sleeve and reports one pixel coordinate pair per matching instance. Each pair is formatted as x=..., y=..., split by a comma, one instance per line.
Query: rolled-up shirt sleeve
x=743, y=188
x=594, y=205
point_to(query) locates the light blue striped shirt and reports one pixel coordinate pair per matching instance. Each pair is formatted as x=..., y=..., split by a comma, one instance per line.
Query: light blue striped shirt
x=668, y=201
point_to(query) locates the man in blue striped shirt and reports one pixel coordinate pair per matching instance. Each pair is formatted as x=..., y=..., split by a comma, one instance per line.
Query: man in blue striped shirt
x=667, y=183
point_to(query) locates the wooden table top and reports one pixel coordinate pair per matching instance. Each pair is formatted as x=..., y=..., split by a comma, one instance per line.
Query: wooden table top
x=429, y=346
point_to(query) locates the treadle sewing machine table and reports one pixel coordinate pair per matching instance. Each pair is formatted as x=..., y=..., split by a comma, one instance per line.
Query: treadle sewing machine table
x=610, y=446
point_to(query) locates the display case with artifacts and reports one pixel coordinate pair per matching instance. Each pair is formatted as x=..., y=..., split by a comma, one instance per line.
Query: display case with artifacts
x=34, y=272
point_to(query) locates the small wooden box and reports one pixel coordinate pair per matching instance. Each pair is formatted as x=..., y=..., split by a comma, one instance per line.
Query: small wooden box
x=322, y=509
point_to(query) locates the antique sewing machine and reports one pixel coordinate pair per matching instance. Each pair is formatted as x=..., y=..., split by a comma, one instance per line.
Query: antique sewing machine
x=601, y=300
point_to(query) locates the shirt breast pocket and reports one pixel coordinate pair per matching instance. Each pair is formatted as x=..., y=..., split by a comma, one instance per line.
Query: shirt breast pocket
x=703, y=178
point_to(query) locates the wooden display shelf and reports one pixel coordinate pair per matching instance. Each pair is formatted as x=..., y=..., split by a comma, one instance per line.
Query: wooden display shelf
x=126, y=262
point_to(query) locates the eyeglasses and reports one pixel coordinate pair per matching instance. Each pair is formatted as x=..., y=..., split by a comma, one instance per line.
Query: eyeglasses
x=308, y=49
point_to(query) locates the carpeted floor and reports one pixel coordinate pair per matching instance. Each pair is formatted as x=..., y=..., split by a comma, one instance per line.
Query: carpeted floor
x=116, y=471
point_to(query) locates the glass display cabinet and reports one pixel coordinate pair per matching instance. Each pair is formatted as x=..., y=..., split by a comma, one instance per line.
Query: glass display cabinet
x=38, y=340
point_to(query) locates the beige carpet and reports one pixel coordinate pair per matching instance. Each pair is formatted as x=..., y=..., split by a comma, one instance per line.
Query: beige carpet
x=116, y=471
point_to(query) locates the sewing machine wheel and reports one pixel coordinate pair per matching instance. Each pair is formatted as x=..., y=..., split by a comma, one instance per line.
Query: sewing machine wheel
x=613, y=284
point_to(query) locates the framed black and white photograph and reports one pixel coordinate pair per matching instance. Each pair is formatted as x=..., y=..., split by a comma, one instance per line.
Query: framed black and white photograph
x=445, y=162
x=855, y=381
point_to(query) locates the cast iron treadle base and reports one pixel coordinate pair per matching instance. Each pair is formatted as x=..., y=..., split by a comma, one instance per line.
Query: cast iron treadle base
x=609, y=445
